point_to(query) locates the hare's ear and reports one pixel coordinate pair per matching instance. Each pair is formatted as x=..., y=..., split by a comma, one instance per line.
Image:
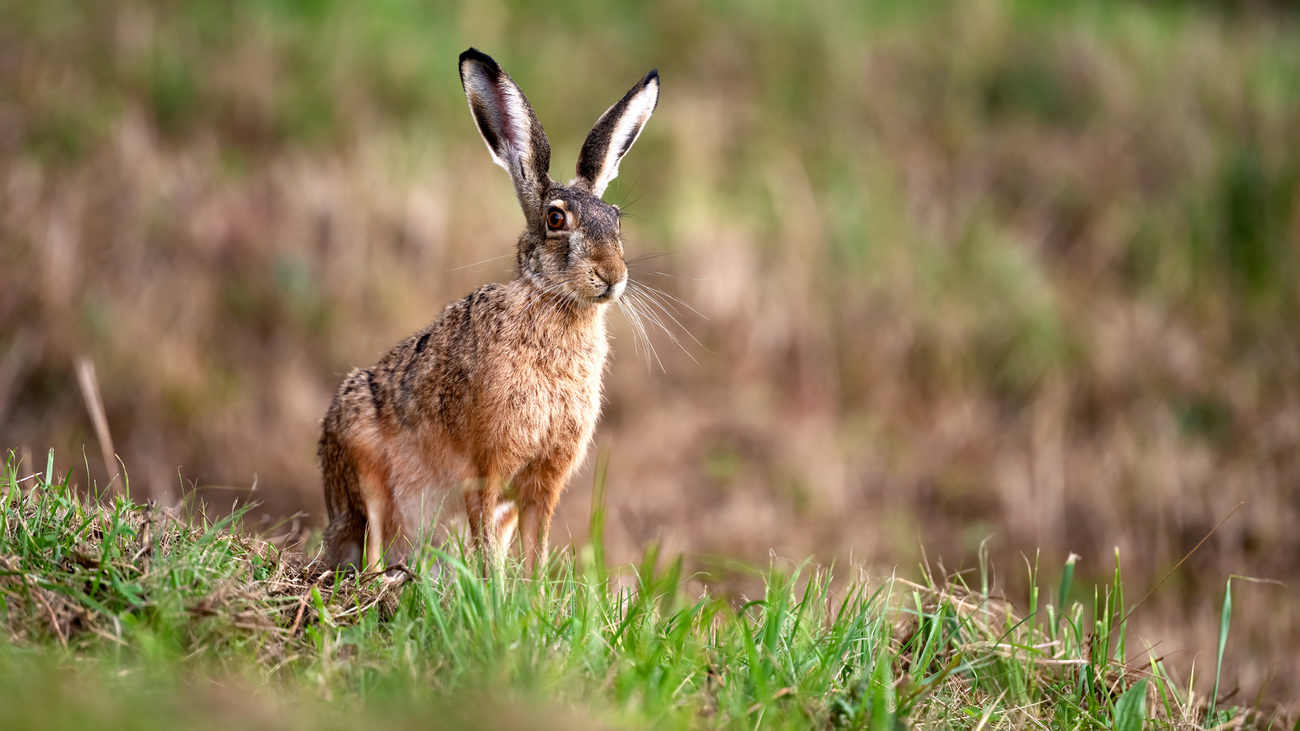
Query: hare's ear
x=508, y=125
x=614, y=134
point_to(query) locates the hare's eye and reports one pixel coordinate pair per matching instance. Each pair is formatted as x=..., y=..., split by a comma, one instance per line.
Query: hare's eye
x=555, y=219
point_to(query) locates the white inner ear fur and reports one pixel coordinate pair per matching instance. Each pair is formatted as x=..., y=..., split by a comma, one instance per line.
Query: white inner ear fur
x=626, y=131
x=513, y=128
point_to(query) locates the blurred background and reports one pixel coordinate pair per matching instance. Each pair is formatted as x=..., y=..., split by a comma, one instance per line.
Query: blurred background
x=994, y=272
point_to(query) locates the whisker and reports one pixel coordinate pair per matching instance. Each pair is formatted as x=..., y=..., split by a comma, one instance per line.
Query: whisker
x=647, y=257
x=467, y=266
x=638, y=296
x=636, y=337
x=651, y=351
x=654, y=319
x=639, y=332
x=650, y=294
x=623, y=203
x=672, y=298
x=671, y=335
x=548, y=294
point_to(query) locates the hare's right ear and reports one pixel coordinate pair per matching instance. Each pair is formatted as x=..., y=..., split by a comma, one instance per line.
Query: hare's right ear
x=508, y=125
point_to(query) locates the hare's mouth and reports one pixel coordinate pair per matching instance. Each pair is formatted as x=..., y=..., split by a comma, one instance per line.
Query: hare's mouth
x=612, y=291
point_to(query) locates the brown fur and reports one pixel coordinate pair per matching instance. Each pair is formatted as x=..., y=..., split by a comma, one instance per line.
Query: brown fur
x=486, y=413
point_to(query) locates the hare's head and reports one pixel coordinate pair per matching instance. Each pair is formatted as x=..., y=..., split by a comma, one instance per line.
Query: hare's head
x=572, y=245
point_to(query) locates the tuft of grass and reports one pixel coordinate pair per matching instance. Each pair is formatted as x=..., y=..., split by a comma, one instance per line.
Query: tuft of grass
x=156, y=617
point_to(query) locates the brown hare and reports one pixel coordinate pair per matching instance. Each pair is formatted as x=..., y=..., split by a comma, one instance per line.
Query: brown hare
x=491, y=408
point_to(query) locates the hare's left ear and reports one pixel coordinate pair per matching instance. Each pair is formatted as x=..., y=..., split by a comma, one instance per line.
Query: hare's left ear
x=614, y=134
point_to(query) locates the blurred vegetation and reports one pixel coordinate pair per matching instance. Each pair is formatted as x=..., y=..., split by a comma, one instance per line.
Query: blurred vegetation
x=999, y=266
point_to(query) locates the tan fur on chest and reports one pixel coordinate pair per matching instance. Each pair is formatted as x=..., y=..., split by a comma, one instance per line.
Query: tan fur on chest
x=539, y=387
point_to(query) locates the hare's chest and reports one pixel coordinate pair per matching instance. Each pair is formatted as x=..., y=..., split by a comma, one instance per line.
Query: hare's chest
x=570, y=387
x=547, y=398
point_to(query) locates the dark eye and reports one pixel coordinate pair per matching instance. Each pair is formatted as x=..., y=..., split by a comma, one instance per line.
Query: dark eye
x=555, y=219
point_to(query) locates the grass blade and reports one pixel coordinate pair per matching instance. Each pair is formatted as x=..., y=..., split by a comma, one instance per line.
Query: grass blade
x=1225, y=618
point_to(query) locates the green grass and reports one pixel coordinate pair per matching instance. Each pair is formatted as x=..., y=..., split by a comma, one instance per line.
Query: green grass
x=116, y=614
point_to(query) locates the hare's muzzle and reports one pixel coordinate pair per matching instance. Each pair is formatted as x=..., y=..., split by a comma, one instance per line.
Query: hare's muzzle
x=612, y=291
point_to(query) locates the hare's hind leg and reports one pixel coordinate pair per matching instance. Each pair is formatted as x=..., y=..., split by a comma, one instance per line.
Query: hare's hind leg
x=343, y=539
x=375, y=492
x=343, y=503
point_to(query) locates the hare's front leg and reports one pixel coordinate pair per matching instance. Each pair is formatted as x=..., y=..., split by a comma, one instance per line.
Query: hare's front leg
x=539, y=491
x=484, y=513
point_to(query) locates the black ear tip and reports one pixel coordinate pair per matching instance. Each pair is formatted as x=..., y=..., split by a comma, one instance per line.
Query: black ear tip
x=477, y=56
x=651, y=78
